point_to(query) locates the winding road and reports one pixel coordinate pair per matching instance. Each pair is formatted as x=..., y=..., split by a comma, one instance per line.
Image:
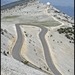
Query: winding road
x=19, y=42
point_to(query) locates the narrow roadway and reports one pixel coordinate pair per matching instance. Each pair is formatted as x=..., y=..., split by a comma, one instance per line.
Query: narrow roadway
x=17, y=48
x=19, y=42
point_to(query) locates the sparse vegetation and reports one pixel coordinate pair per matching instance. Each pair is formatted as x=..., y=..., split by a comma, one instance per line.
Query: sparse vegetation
x=44, y=66
x=67, y=36
x=4, y=53
x=25, y=62
x=2, y=33
x=69, y=32
x=10, y=17
x=24, y=31
x=65, y=30
x=58, y=18
x=5, y=31
x=40, y=68
x=68, y=70
x=26, y=35
x=61, y=30
x=55, y=15
x=70, y=41
x=60, y=41
x=37, y=6
x=30, y=35
x=47, y=69
x=47, y=23
x=57, y=11
x=53, y=40
x=34, y=50
x=51, y=35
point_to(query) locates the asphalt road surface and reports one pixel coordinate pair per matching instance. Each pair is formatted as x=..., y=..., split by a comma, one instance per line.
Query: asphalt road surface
x=19, y=42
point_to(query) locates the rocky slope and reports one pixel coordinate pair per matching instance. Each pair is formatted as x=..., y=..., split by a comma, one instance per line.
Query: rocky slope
x=35, y=12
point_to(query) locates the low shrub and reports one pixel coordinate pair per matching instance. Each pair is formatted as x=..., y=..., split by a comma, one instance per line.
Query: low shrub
x=40, y=68
x=51, y=35
x=26, y=35
x=61, y=30
x=67, y=36
x=4, y=53
x=25, y=62
x=2, y=33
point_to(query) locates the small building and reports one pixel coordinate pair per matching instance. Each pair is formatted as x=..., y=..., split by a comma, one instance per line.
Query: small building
x=48, y=4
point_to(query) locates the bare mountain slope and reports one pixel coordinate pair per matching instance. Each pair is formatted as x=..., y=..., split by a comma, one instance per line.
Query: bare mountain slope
x=59, y=37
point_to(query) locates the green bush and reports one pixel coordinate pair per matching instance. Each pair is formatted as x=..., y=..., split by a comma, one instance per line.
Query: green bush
x=2, y=33
x=71, y=38
x=4, y=53
x=69, y=41
x=5, y=31
x=40, y=68
x=47, y=69
x=72, y=32
x=51, y=35
x=66, y=31
x=26, y=35
x=25, y=62
x=61, y=30
x=67, y=36
x=69, y=31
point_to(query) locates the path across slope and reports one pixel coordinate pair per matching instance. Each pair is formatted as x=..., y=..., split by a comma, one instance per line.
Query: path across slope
x=18, y=45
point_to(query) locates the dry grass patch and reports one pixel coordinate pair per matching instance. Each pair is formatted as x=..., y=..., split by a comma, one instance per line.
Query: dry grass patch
x=10, y=17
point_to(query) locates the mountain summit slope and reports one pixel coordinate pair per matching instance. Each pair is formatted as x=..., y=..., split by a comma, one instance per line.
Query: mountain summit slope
x=59, y=38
